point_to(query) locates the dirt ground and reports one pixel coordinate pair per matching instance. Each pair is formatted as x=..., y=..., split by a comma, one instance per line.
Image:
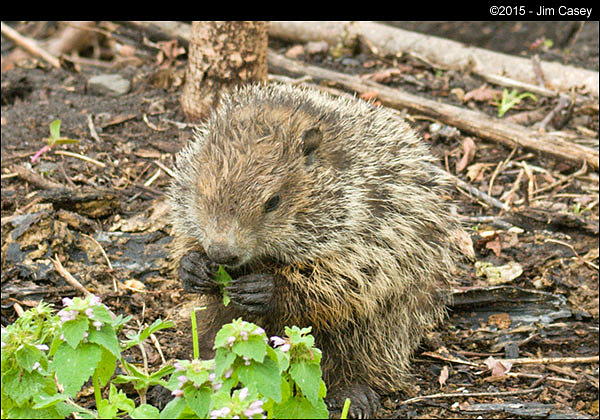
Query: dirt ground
x=104, y=219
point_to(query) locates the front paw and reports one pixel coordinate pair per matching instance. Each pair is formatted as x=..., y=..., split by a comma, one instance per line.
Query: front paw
x=252, y=293
x=364, y=402
x=197, y=272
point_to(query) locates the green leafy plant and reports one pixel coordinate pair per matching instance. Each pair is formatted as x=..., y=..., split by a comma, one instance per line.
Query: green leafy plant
x=49, y=357
x=223, y=279
x=54, y=139
x=249, y=378
x=510, y=99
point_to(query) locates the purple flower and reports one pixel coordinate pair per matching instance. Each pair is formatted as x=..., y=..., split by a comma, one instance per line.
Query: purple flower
x=89, y=312
x=277, y=341
x=66, y=315
x=215, y=414
x=244, y=335
x=254, y=408
x=182, y=380
x=178, y=366
x=42, y=347
x=97, y=324
x=177, y=393
x=258, y=331
x=95, y=300
x=243, y=394
x=285, y=347
x=230, y=340
x=228, y=373
x=67, y=301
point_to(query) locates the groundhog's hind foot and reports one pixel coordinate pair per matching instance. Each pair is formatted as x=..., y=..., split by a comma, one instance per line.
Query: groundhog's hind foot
x=364, y=401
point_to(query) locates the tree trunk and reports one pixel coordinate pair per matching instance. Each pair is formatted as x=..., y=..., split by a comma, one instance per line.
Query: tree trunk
x=222, y=55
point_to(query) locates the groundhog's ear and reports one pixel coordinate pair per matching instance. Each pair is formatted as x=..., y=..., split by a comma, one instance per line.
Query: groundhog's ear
x=311, y=139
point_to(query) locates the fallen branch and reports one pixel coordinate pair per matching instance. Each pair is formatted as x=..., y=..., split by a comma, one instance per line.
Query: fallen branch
x=471, y=394
x=553, y=360
x=474, y=122
x=444, y=53
x=68, y=277
x=35, y=179
x=29, y=45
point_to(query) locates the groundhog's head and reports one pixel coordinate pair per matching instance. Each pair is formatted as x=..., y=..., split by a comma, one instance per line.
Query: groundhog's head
x=250, y=184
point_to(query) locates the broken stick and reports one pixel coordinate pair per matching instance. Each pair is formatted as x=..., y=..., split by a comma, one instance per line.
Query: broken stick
x=474, y=122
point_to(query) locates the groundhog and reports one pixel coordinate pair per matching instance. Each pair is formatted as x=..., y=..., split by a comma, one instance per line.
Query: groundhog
x=327, y=213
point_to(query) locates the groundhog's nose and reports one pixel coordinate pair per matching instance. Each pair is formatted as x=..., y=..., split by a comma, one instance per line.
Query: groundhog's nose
x=222, y=254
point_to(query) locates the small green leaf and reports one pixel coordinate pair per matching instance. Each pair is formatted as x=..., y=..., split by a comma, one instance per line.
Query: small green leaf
x=107, y=338
x=65, y=140
x=262, y=378
x=21, y=385
x=74, y=367
x=55, y=130
x=308, y=377
x=300, y=408
x=106, y=410
x=198, y=399
x=254, y=348
x=223, y=335
x=27, y=356
x=106, y=367
x=174, y=409
x=223, y=278
x=102, y=314
x=119, y=399
x=145, y=411
x=74, y=331
x=45, y=401
x=223, y=360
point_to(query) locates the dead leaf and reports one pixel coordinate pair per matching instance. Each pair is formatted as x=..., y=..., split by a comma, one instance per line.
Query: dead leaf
x=295, y=51
x=469, y=149
x=463, y=242
x=476, y=171
x=168, y=53
x=370, y=97
x=382, y=76
x=443, y=376
x=459, y=93
x=501, y=320
x=484, y=93
x=134, y=285
x=498, y=274
x=495, y=246
x=498, y=367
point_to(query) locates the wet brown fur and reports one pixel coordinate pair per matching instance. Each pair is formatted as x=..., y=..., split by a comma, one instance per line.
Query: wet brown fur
x=360, y=244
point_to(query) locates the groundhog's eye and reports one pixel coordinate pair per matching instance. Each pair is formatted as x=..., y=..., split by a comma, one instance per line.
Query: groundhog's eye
x=272, y=203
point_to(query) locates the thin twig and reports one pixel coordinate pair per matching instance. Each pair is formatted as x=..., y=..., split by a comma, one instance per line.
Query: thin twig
x=35, y=179
x=559, y=360
x=568, y=178
x=471, y=394
x=29, y=45
x=499, y=168
x=82, y=157
x=101, y=250
x=68, y=277
x=153, y=178
x=540, y=378
x=92, y=128
x=164, y=168
x=158, y=347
